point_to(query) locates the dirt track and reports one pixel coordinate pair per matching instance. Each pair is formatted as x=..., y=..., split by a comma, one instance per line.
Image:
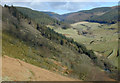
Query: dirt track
x=18, y=70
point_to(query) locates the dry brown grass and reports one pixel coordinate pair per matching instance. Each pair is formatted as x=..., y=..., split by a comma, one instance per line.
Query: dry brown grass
x=18, y=70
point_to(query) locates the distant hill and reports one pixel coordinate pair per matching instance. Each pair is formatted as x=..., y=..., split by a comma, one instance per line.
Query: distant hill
x=54, y=15
x=102, y=15
x=110, y=16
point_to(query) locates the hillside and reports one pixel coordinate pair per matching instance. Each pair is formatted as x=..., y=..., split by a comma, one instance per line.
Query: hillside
x=34, y=43
x=100, y=15
x=53, y=15
x=41, y=18
x=110, y=16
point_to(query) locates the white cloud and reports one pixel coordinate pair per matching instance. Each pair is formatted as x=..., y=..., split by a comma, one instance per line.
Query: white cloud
x=60, y=7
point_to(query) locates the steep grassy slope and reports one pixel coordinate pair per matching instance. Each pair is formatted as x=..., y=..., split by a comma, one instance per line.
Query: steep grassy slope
x=39, y=45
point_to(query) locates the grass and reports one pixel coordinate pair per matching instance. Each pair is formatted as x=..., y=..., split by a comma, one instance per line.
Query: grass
x=105, y=40
x=17, y=49
x=64, y=64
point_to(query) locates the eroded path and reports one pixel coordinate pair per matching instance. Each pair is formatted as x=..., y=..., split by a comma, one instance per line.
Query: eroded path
x=17, y=70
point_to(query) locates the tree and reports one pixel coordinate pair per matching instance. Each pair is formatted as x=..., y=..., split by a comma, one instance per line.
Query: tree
x=5, y=5
x=118, y=53
x=38, y=27
x=61, y=42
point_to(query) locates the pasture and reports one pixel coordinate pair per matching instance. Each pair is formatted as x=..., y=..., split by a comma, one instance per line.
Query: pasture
x=102, y=38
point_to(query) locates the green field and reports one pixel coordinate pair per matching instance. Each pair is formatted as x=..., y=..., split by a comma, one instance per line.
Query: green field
x=101, y=38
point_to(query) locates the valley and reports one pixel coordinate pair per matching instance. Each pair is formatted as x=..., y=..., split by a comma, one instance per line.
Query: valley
x=102, y=38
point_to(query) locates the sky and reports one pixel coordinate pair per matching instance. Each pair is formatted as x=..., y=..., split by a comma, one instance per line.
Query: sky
x=61, y=7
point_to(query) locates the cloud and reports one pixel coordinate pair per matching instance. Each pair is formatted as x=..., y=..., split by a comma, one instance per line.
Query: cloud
x=71, y=6
x=60, y=7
